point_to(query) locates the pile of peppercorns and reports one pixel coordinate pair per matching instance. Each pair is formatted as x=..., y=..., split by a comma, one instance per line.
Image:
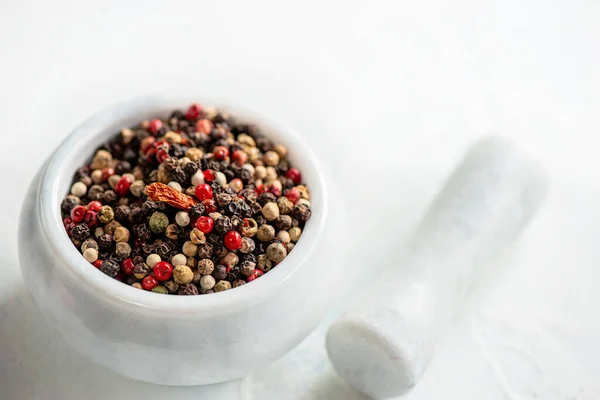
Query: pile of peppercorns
x=195, y=204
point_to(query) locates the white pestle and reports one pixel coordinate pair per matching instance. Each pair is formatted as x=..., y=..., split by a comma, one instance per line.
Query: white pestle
x=382, y=344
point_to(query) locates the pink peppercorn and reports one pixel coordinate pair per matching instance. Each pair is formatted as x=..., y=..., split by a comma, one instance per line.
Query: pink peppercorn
x=155, y=126
x=78, y=213
x=123, y=185
x=193, y=112
x=204, y=126
x=294, y=175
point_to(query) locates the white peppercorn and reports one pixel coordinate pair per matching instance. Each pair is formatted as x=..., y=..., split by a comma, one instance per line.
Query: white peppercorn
x=265, y=233
x=270, y=211
x=113, y=180
x=152, y=259
x=79, y=189
x=221, y=178
x=207, y=282
x=182, y=274
x=271, y=174
x=276, y=252
x=96, y=176
x=260, y=172
x=189, y=249
x=182, y=218
x=137, y=188
x=284, y=236
x=179, y=259
x=175, y=185
x=198, y=178
x=91, y=255
x=295, y=233
x=89, y=244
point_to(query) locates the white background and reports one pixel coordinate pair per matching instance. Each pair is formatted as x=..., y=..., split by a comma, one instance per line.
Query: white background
x=388, y=94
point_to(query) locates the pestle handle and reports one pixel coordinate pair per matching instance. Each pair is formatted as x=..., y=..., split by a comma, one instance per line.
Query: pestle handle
x=383, y=343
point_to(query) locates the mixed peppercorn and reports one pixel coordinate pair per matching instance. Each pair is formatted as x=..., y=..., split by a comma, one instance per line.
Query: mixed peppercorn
x=195, y=204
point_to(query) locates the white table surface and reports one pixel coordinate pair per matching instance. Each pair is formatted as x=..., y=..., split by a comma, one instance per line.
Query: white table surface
x=389, y=94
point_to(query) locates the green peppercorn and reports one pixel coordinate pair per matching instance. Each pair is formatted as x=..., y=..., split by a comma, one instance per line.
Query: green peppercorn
x=123, y=249
x=158, y=222
x=121, y=234
x=263, y=263
x=160, y=289
x=222, y=286
x=171, y=286
x=105, y=214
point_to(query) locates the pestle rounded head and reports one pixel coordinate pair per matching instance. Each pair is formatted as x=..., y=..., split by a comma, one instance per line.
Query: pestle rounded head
x=382, y=357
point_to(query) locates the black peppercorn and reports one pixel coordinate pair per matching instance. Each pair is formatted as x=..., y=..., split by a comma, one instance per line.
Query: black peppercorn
x=249, y=194
x=122, y=167
x=110, y=267
x=220, y=251
x=188, y=289
x=163, y=250
x=237, y=223
x=191, y=168
x=233, y=273
x=142, y=231
x=302, y=212
x=177, y=114
x=220, y=272
x=214, y=238
x=267, y=197
x=109, y=197
x=251, y=257
x=141, y=270
x=149, y=207
x=81, y=232
x=68, y=204
x=105, y=241
x=170, y=164
x=223, y=225
x=179, y=175
x=205, y=251
x=148, y=248
x=245, y=210
x=95, y=192
x=197, y=210
x=137, y=260
x=283, y=222
x=260, y=219
x=136, y=216
x=122, y=213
